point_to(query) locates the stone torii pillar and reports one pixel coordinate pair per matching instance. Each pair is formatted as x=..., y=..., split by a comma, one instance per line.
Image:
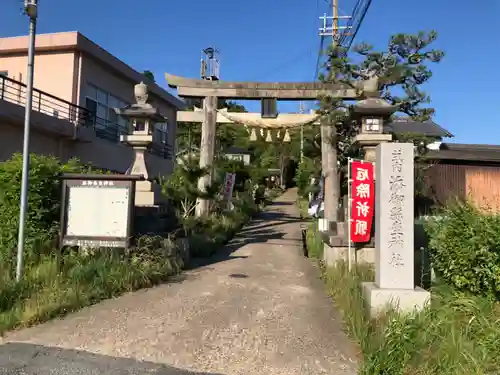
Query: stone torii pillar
x=207, y=151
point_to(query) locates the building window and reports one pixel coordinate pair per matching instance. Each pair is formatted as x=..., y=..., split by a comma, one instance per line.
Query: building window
x=4, y=73
x=101, y=104
x=161, y=133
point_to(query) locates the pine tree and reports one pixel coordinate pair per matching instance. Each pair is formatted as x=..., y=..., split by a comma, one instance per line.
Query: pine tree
x=401, y=70
x=182, y=187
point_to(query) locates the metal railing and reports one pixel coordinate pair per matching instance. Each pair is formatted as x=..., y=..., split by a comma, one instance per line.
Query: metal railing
x=107, y=130
x=161, y=149
x=15, y=92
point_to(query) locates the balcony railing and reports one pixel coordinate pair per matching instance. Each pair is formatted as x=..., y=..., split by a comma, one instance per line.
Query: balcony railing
x=15, y=92
x=111, y=132
x=161, y=149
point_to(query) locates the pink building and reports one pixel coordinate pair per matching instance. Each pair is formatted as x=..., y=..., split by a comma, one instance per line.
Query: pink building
x=77, y=85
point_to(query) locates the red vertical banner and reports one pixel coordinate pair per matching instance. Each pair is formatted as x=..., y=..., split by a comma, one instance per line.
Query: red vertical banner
x=362, y=200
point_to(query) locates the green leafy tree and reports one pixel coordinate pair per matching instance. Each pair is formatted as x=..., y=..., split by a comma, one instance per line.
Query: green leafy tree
x=149, y=75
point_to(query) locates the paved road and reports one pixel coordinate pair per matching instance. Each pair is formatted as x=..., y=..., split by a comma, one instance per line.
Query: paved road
x=258, y=308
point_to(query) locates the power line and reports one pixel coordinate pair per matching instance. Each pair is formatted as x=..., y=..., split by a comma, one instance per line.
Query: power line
x=299, y=57
x=353, y=25
x=318, y=60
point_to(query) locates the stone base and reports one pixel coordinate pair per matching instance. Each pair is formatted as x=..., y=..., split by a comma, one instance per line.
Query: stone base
x=378, y=300
x=147, y=194
x=334, y=254
x=145, y=198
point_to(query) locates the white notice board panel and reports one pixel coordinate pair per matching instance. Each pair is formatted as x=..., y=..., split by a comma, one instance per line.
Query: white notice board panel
x=98, y=211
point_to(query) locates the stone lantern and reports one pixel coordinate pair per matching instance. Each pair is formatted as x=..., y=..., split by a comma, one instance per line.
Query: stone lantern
x=141, y=118
x=372, y=112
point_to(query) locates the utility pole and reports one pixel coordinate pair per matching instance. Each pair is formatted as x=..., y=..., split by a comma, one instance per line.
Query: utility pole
x=31, y=10
x=329, y=165
x=336, y=31
x=335, y=12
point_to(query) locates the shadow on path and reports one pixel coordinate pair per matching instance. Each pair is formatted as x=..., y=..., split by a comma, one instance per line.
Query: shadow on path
x=261, y=229
x=29, y=359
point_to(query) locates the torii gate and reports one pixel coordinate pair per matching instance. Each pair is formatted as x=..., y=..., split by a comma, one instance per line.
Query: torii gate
x=211, y=91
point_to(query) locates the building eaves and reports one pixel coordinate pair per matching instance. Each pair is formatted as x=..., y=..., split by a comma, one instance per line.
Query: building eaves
x=466, y=152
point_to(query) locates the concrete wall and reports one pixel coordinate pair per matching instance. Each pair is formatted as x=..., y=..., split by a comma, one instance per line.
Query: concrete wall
x=11, y=142
x=54, y=71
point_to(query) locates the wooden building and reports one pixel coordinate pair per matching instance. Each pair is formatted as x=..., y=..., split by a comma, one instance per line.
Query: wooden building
x=465, y=171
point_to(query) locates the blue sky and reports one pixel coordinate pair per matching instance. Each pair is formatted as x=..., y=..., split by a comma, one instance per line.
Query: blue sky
x=276, y=40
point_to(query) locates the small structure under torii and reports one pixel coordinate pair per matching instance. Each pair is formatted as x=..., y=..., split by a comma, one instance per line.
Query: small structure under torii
x=268, y=94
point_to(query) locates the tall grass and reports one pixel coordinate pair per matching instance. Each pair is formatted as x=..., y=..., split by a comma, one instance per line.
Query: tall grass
x=315, y=244
x=458, y=334
x=56, y=285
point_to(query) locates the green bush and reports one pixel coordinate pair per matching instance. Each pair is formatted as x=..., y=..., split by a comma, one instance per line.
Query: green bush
x=465, y=248
x=43, y=202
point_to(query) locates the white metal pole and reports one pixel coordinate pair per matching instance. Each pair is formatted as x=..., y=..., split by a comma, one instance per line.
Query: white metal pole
x=301, y=135
x=31, y=9
x=349, y=198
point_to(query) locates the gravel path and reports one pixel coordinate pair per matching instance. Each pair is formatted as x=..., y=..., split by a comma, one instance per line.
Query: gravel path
x=258, y=308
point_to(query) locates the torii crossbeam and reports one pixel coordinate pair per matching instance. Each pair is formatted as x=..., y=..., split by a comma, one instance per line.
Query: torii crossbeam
x=211, y=91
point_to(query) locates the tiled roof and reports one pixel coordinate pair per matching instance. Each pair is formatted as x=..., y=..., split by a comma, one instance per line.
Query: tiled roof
x=430, y=128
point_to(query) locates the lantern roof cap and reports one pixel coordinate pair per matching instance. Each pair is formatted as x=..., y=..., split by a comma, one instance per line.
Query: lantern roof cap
x=373, y=107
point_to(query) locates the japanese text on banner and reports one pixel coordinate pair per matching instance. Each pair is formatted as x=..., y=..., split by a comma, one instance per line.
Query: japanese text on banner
x=363, y=199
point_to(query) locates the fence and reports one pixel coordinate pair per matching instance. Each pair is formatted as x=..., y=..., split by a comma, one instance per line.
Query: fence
x=15, y=92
